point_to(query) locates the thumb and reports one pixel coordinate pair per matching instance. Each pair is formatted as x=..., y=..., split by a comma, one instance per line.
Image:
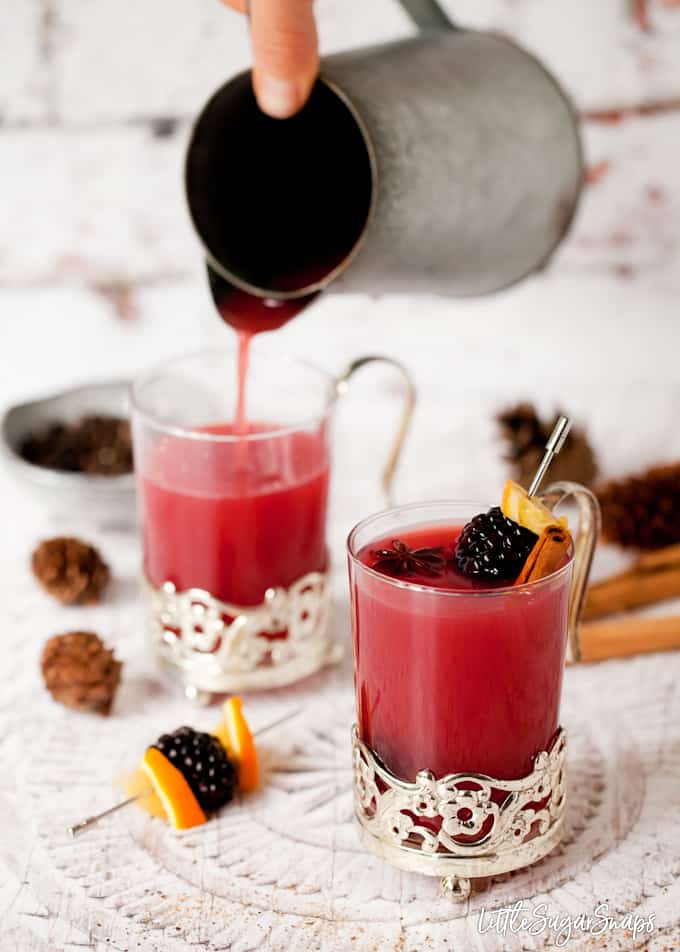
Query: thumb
x=286, y=54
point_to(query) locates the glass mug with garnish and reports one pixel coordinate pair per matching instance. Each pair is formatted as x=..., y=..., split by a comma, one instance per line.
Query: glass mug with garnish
x=233, y=514
x=461, y=622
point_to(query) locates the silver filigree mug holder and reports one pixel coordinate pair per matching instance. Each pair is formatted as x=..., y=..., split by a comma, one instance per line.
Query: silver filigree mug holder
x=462, y=826
x=215, y=647
x=218, y=647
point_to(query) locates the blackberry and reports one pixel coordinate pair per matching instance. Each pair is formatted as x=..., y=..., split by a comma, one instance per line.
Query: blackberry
x=493, y=548
x=204, y=764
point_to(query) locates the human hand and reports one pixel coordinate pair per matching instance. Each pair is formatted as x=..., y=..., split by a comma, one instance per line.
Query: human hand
x=286, y=52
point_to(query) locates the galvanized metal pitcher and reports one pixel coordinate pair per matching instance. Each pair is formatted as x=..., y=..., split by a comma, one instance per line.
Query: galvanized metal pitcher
x=446, y=163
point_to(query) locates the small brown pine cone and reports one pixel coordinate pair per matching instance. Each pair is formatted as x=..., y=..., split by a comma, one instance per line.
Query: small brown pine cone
x=81, y=672
x=526, y=434
x=70, y=570
x=642, y=511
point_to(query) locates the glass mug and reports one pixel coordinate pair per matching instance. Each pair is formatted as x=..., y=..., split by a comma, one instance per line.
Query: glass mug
x=458, y=755
x=234, y=523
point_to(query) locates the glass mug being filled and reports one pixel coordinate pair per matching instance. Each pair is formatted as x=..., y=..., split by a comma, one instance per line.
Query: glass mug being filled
x=233, y=516
x=458, y=756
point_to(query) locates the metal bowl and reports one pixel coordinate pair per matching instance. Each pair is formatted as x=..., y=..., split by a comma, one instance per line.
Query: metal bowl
x=104, y=499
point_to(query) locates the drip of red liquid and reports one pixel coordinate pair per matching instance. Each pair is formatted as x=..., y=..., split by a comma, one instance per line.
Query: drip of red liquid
x=249, y=314
x=240, y=421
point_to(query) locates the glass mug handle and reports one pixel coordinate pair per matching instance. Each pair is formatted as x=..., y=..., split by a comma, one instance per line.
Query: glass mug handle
x=585, y=542
x=341, y=388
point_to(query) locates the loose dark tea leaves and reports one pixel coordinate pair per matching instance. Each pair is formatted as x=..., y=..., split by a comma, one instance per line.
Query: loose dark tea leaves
x=99, y=445
x=401, y=560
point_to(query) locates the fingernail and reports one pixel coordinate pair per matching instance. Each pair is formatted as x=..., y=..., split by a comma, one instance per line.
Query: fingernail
x=279, y=98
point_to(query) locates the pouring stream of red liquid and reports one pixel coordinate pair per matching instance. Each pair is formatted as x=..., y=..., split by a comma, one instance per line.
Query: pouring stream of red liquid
x=249, y=314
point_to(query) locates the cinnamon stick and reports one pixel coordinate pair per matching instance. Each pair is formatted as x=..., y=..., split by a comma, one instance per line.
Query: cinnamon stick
x=548, y=554
x=653, y=578
x=660, y=558
x=622, y=637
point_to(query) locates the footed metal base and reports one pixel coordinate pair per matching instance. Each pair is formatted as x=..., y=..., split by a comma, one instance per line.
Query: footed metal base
x=456, y=888
x=463, y=826
x=214, y=647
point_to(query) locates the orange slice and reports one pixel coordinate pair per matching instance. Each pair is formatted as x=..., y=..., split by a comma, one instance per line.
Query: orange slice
x=526, y=510
x=235, y=736
x=180, y=804
x=132, y=784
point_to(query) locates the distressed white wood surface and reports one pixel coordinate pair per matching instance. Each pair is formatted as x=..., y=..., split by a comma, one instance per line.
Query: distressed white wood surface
x=100, y=276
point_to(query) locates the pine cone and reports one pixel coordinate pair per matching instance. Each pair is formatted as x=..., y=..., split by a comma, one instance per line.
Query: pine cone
x=81, y=672
x=642, y=511
x=70, y=570
x=526, y=435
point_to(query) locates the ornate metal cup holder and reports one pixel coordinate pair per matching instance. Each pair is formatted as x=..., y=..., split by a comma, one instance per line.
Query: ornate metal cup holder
x=462, y=826
x=216, y=647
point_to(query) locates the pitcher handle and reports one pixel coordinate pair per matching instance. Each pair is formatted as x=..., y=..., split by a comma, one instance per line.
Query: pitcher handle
x=585, y=542
x=342, y=386
x=427, y=15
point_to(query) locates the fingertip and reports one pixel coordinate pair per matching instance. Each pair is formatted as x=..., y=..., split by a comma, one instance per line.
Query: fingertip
x=285, y=49
x=280, y=98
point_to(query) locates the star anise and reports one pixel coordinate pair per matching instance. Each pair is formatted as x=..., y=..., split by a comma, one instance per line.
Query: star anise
x=402, y=560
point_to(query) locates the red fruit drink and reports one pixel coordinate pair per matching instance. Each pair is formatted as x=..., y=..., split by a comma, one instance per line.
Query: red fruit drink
x=450, y=674
x=236, y=514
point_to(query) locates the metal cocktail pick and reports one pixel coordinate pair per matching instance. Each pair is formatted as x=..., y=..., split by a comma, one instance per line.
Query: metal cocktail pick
x=90, y=821
x=552, y=448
